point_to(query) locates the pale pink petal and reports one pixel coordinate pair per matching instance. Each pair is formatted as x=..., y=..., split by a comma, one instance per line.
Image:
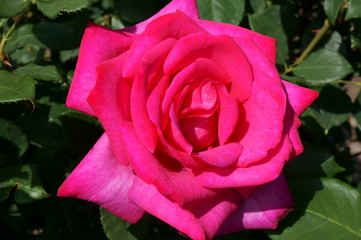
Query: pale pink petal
x=221, y=156
x=222, y=50
x=189, y=7
x=138, y=106
x=177, y=24
x=267, y=44
x=166, y=174
x=263, y=172
x=100, y=178
x=98, y=45
x=198, y=221
x=110, y=100
x=299, y=97
x=228, y=115
x=263, y=210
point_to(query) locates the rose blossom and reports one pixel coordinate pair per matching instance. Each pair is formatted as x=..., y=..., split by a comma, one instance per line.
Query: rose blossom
x=198, y=124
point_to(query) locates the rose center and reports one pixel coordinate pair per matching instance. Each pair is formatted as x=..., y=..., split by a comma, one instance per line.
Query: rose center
x=199, y=132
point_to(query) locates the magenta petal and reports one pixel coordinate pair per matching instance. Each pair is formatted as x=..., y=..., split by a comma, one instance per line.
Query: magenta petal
x=110, y=100
x=98, y=45
x=263, y=127
x=221, y=156
x=189, y=7
x=166, y=174
x=263, y=172
x=177, y=24
x=100, y=178
x=140, y=117
x=200, y=69
x=223, y=50
x=147, y=197
x=263, y=210
x=299, y=97
x=228, y=115
x=198, y=221
x=154, y=103
x=267, y=44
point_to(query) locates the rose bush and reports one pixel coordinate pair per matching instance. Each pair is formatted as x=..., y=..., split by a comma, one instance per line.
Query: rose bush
x=198, y=124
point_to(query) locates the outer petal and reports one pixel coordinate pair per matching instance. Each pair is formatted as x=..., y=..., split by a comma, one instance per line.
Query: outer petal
x=189, y=7
x=110, y=100
x=199, y=221
x=269, y=204
x=263, y=128
x=98, y=45
x=99, y=178
x=267, y=44
x=177, y=25
x=299, y=97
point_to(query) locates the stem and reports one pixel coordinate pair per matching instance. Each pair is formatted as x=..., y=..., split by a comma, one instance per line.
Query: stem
x=310, y=46
x=4, y=59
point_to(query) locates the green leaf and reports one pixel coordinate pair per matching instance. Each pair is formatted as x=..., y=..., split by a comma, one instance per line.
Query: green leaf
x=15, y=87
x=332, y=7
x=227, y=11
x=335, y=42
x=14, y=135
x=332, y=108
x=258, y=5
x=52, y=8
x=21, y=37
x=27, y=181
x=324, y=209
x=264, y=25
x=44, y=73
x=354, y=9
x=313, y=162
x=323, y=66
x=60, y=35
x=11, y=8
x=114, y=227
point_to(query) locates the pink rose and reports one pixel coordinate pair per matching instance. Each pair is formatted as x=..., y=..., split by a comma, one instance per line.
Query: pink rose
x=198, y=124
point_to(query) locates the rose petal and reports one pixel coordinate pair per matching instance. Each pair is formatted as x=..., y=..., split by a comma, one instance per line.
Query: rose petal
x=222, y=50
x=228, y=115
x=177, y=24
x=221, y=156
x=292, y=123
x=263, y=210
x=138, y=106
x=200, y=69
x=110, y=100
x=166, y=174
x=267, y=44
x=263, y=125
x=267, y=170
x=299, y=97
x=198, y=221
x=100, y=178
x=98, y=45
x=189, y=7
